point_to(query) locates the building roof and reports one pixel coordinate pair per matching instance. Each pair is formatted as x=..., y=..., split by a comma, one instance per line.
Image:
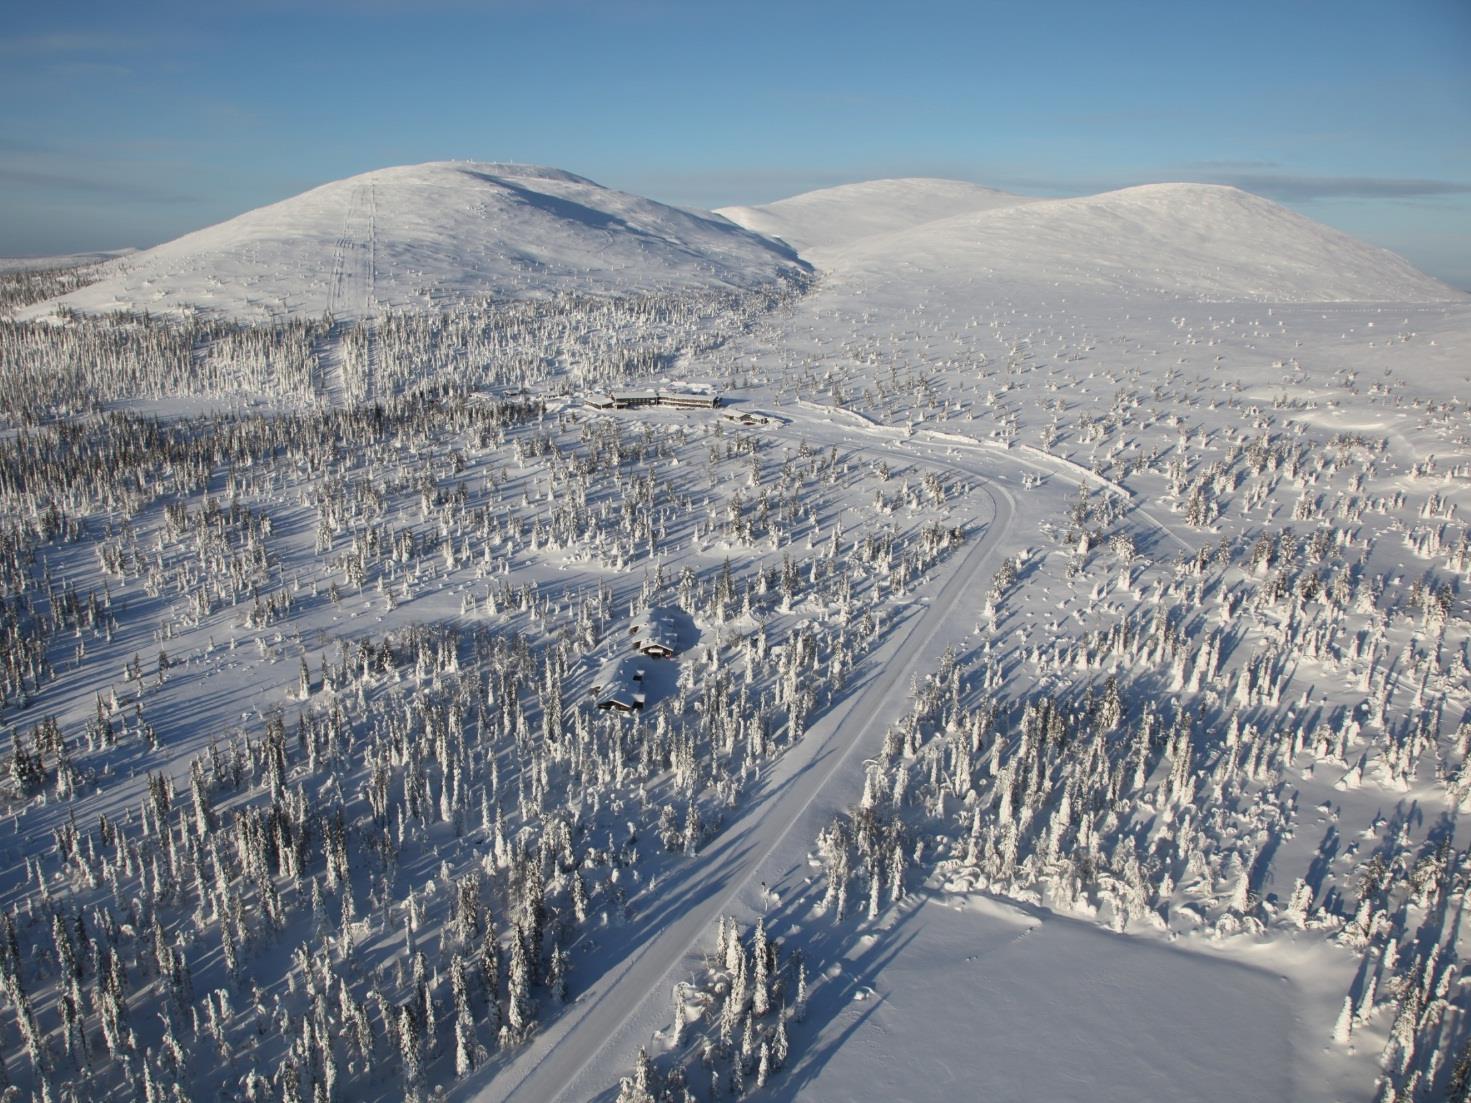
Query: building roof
x=655, y=632
x=620, y=684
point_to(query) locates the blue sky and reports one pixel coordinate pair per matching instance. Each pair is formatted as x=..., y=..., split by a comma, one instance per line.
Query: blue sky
x=128, y=124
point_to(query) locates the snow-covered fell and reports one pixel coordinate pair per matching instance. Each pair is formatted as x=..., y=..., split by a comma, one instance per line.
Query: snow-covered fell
x=418, y=235
x=1197, y=241
x=834, y=217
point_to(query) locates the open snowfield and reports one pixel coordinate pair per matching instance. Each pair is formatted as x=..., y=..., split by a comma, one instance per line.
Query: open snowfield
x=987, y=1001
x=1072, y=691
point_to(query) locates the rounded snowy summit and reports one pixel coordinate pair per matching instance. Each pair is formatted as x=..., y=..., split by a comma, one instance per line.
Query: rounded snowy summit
x=1178, y=240
x=417, y=236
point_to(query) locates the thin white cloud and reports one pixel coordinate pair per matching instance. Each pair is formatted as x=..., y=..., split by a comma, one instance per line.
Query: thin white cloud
x=55, y=43
x=89, y=185
x=1303, y=189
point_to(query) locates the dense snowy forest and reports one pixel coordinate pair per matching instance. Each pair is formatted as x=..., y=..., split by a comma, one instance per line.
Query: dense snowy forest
x=570, y=342
x=328, y=810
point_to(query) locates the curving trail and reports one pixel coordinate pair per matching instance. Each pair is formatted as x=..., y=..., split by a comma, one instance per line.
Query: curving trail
x=585, y=1050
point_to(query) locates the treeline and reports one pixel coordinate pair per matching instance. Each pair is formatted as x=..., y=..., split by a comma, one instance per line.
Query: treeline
x=84, y=363
x=23, y=286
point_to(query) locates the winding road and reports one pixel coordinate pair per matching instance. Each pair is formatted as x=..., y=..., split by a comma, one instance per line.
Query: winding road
x=586, y=1049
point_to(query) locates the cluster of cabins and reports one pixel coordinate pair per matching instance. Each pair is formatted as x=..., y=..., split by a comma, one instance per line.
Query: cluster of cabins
x=619, y=686
x=678, y=400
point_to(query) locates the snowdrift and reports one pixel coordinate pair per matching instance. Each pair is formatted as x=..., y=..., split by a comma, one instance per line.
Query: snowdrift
x=419, y=235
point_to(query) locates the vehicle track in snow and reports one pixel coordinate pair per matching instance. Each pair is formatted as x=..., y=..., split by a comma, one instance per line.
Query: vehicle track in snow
x=351, y=302
x=584, y=1051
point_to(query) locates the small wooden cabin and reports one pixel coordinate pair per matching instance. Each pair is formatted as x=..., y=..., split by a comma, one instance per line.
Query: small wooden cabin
x=619, y=687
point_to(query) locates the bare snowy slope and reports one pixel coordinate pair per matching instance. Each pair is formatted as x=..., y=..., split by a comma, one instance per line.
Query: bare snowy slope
x=835, y=217
x=1197, y=241
x=421, y=234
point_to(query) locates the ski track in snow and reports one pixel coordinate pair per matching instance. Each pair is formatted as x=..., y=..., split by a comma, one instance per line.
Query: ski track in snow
x=351, y=298
x=583, y=1052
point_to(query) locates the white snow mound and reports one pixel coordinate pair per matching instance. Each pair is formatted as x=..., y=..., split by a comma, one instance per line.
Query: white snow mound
x=834, y=217
x=420, y=235
x=1194, y=241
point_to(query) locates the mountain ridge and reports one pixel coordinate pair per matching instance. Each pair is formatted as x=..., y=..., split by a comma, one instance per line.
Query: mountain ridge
x=417, y=236
x=423, y=236
x=1180, y=239
x=832, y=217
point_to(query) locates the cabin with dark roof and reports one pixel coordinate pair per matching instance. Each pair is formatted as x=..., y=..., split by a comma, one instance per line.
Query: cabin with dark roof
x=619, y=686
x=655, y=634
x=677, y=400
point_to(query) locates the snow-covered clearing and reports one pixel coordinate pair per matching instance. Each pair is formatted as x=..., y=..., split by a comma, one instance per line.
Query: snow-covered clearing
x=985, y=1000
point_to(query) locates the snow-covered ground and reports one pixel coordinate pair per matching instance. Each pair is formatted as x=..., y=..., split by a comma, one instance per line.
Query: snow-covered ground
x=983, y=999
x=1075, y=652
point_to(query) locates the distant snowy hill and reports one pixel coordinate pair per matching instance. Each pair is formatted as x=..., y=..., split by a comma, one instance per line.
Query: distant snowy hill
x=418, y=235
x=1197, y=241
x=422, y=235
x=835, y=217
x=66, y=260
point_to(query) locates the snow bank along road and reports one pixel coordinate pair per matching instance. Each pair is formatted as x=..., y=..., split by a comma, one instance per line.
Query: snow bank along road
x=594, y=1041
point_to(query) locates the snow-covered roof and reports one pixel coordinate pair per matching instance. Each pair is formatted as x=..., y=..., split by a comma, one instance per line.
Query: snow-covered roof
x=620, y=684
x=655, y=632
